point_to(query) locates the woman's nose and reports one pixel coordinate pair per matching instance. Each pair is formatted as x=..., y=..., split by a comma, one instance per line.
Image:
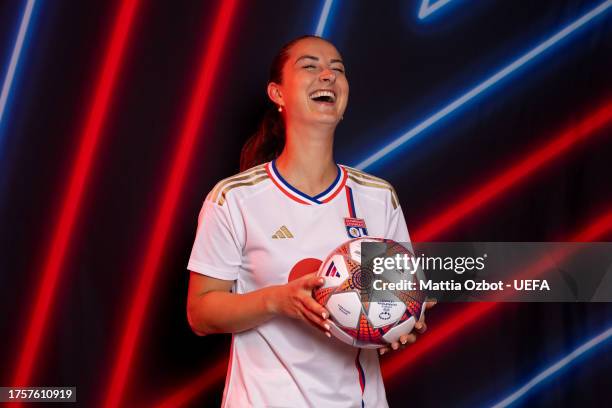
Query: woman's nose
x=328, y=75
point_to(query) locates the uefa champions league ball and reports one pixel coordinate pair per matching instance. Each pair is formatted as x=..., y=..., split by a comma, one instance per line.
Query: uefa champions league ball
x=361, y=315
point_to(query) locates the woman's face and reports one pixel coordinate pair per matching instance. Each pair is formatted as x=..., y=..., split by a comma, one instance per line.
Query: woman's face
x=314, y=88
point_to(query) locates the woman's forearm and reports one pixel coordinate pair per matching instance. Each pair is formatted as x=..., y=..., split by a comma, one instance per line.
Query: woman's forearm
x=224, y=312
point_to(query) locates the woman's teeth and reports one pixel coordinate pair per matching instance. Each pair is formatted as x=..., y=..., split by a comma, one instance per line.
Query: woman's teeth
x=323, y=96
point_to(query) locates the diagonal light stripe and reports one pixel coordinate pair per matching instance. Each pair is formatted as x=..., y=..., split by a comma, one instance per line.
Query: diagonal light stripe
x=555, y=368
x=487, y=83
x=476, y=312
x=427, y=9
x=213, y=376
x=14, y=60
x=480, y=196
x=200, y=98
x=50, y=275
x=511, y=176
x=321, y=25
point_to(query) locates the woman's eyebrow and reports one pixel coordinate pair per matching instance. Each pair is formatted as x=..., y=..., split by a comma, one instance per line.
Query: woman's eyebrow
x=317, y=59
x=306, y=57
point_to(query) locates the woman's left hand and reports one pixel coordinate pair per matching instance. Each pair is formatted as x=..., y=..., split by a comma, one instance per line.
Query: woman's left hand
x=420, y=327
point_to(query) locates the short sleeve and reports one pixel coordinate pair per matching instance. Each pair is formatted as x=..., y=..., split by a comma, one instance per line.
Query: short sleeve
x=396, y=226
x=217, y=251
x=397, y=230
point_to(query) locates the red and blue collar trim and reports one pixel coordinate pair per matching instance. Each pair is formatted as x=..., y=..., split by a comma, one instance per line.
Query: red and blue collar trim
x=301, y=197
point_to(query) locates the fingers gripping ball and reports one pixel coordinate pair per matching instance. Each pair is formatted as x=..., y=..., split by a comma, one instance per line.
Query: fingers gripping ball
x=361, y=315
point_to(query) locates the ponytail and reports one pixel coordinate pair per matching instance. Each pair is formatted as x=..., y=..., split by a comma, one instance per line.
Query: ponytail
x=268, y=142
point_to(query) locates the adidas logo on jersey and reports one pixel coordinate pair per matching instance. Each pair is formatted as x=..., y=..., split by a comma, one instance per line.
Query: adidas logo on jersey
x=282, y=233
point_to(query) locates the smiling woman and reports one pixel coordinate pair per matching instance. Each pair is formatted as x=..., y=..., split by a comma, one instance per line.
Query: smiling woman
x=261, y=236
x=306, y=76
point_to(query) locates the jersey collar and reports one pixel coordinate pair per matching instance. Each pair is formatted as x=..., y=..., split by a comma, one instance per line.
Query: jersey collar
x=336, y=186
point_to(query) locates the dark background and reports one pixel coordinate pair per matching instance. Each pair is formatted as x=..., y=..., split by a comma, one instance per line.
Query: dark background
x=400, y=70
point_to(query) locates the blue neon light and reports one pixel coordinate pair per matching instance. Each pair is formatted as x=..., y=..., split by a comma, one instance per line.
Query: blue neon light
x=14, y=60
x=487, y=83
x=555, y=368
x=427, y=9
x=320, y=30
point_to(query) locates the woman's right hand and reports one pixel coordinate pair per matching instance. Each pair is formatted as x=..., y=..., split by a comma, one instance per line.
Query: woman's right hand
x=295, y=300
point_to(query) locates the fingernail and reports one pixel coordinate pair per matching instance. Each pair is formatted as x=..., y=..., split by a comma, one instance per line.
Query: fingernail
x=419, y=326
x=324, y=315
x=328, y=334
x=382, y=351
x=321, y=281
x=326, y=326
x=403, y=341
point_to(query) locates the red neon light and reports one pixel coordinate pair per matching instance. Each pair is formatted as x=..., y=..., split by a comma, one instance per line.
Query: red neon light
x=174, y=183
x=462, y=209
x=212, y=377
x=481, y=196
x=514, y=174
x=477, y=311
x=72, y=199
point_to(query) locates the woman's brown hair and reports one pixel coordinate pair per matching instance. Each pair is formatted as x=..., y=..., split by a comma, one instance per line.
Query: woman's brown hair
x=268, y=141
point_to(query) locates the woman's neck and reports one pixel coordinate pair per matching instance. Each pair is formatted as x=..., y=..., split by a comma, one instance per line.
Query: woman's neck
x=307, y=161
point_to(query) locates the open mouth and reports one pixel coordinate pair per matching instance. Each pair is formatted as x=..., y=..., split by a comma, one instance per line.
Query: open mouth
x=323, y=95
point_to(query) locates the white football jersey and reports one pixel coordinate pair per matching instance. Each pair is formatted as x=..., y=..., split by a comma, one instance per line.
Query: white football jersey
x=253, y=228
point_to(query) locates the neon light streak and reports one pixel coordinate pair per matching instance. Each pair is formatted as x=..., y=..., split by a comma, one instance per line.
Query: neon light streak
x=514, y=174
x=163, y=222
x=212, y=377
x=320, y=30
x=14, y=60
x=476, y=312
x=72, y=198
x=427, y=10
x=555, y=368
x=486, y=84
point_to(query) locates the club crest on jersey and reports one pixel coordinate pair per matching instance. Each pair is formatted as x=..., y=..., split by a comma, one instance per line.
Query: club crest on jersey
x=355, y=227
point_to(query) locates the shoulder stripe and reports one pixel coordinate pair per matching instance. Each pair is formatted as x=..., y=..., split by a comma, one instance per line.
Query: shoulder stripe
x=387, y=186
x=361, y=174
x=245, y=175
x=230, y=187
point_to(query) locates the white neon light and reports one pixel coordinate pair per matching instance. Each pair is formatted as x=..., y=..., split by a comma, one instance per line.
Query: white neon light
x=323, y=18
x=486, y=84
x=426, y=9
x=554, y=368
x=10, y=73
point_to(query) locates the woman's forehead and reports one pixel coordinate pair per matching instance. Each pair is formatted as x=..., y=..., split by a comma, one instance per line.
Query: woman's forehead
x=314, y=47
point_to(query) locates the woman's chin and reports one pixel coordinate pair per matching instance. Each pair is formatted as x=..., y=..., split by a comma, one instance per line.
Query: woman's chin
x=329, y=118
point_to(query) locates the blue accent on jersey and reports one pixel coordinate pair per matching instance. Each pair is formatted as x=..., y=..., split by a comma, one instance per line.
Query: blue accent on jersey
x=314, y=199
x=331, y=187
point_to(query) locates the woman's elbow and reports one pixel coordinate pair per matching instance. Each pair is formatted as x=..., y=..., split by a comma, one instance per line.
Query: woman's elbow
x=198, y=328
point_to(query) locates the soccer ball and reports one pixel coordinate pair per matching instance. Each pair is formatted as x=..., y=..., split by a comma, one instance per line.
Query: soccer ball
x=360, y=315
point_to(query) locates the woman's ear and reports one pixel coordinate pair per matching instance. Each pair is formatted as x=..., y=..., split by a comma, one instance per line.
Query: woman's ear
x=275, y=94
